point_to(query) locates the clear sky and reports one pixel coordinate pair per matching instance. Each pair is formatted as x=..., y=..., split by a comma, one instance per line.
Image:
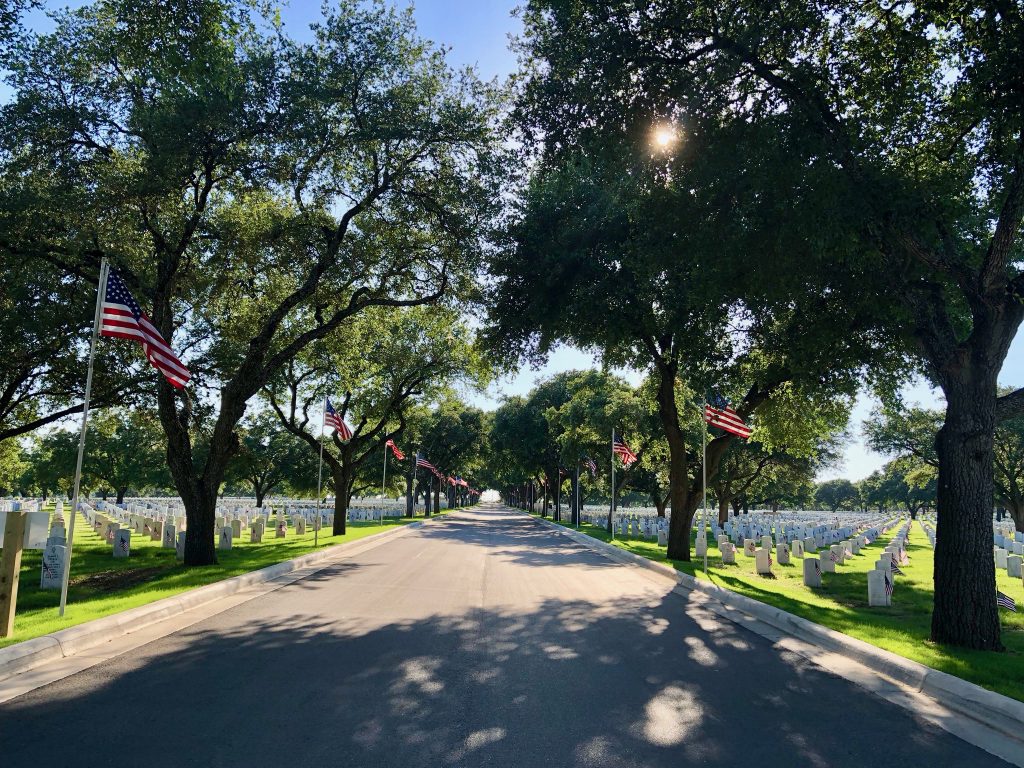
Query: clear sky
x=477, y=33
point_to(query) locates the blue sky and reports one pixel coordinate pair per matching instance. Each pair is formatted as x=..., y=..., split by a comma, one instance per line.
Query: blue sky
x=477, y=33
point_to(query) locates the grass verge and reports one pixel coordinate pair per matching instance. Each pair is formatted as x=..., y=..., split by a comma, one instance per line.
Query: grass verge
x=101, y=585
x=842, y=604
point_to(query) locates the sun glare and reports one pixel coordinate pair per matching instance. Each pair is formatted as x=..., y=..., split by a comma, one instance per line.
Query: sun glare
x=664, y=136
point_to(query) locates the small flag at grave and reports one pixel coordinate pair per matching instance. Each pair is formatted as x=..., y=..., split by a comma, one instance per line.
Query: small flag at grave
x=896, y=569
x=888, y=584
x=1005, y=601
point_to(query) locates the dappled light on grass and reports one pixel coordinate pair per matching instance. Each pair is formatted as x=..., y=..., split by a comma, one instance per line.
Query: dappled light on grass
x=841, y=604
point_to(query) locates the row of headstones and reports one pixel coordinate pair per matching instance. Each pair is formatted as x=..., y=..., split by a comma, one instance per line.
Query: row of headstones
x=880, y=581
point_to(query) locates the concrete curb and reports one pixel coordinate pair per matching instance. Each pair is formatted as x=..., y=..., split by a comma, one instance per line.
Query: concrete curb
x=26, y=655
x=993, y=710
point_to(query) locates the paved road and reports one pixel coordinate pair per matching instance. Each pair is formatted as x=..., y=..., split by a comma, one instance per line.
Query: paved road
x=482, y=640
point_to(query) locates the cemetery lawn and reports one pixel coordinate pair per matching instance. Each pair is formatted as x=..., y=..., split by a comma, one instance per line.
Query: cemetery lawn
x=101, y=585
x=842, y=604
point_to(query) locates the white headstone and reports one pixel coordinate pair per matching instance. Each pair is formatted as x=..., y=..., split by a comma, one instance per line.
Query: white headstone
x=53, y=567
x=1013, y=565
x=782, y=553
x=812, y=572
x=798, y=548
x=877, y=595
x=749, y=547
x=728, y=550
x=763, y=561
x=122, y=542
x=179, y=546
x=225, y=538
x=170, y=536
x=701, y=547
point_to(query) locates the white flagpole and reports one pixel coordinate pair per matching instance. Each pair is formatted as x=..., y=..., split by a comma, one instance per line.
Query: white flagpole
x=101, y=292
x=384, y=483
x=320, y=477
x=704, y=481
x=579, y=510
x=611, y=515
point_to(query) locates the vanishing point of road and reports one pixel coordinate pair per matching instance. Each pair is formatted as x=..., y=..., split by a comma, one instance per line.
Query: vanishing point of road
x=481, y=639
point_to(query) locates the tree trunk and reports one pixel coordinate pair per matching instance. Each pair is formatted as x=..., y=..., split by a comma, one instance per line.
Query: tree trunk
x=965, y=611
x=660, y=503
x=723, y=510
x=259, y=493
x=342, y=484
x=437, y=499
x=410, y=498
x=120, y=494
x=1017, y=513
x=682, y=514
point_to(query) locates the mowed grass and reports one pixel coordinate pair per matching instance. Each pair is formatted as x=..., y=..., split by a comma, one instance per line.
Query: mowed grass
x=842, y=604
x=101, y=585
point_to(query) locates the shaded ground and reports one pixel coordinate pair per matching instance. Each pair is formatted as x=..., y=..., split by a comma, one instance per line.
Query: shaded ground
x=483, y=640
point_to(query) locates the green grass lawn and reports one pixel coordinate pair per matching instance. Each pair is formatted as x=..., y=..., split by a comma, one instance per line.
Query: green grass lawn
x=101, y=585
x=842, y=604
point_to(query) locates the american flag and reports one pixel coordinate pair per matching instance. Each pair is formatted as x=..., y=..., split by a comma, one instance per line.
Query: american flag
x=888, y=584
x=123, y=318
x=394, y=449
x=833, y=557
x=896, y=569
x=590, y=465
x=451, y=481
x=460, y=481
x=623, y=451
x=719, y=413
x=817, y=568
x=1005, y=601
x=332, y=419
x=422, y=462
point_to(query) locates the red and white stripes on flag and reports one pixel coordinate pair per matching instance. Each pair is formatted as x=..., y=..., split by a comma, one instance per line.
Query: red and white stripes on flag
x=724, y=417
x=394, y=449
x=623, y=451
x=332, y=419
x=123, y=318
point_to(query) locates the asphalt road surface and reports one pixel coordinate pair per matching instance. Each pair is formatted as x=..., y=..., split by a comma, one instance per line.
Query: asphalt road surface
x=481, y=640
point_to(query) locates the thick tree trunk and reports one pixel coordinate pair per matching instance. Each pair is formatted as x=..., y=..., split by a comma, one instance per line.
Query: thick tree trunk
x=965, y=611
x=342, y=484
x=410, y=498
x=660, y=503
x=723, y=510
x=437, y=500
x=120, y=495
x=260, y=494
x=682, y=510
x=200, y=536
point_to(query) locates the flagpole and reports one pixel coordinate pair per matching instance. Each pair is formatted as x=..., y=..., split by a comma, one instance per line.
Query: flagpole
x=704, y=481
x=611, y=514
x=384, y=482
x=579, y=511
x=320, y=478
x=101, y=292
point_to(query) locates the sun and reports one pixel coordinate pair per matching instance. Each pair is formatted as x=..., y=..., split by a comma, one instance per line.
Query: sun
x=664, y=136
